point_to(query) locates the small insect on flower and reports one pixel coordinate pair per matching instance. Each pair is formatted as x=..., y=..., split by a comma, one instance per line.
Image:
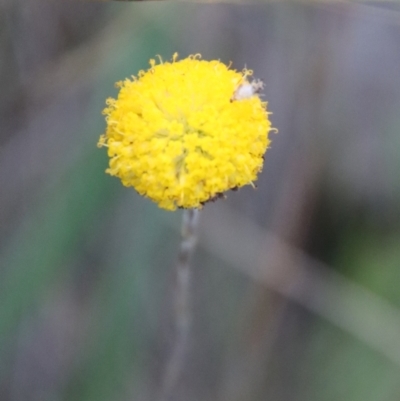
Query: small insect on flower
x=248, y=89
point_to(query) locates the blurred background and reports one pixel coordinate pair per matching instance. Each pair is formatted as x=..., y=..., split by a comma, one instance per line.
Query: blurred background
x=296, y=285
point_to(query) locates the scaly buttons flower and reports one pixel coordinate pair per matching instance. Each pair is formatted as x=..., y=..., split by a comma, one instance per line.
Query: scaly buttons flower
x=184, y=132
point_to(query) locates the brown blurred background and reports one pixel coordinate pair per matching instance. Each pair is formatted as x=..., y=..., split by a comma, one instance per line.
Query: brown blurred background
x=296, y=287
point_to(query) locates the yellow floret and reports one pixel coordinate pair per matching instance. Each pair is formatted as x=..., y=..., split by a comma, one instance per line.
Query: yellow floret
x=177, y=135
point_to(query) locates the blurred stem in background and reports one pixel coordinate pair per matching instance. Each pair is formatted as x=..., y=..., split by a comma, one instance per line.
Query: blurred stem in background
x=182, y=302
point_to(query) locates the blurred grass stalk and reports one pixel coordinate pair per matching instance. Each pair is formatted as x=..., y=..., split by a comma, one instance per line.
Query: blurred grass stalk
x=292, y=273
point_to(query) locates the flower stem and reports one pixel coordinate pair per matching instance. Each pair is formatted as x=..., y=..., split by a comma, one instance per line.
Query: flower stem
x=182, y=306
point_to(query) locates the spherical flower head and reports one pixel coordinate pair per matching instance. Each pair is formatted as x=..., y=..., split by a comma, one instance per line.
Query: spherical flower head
x=184, y=132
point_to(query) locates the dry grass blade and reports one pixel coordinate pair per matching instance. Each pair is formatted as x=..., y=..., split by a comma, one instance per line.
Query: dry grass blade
x=310, y=283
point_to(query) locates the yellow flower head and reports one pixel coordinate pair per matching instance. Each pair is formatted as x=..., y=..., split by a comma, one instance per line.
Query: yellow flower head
x=184, y=132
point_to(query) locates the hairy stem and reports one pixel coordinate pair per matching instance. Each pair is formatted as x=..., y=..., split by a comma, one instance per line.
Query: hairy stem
x=182, y=309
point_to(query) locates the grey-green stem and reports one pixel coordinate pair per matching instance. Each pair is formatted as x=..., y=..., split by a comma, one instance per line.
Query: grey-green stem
x=182, y=307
